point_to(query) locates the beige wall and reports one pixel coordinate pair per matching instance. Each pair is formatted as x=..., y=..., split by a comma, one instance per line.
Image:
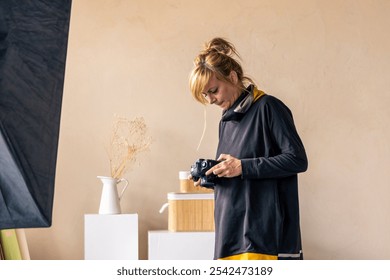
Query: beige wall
x=327, y=60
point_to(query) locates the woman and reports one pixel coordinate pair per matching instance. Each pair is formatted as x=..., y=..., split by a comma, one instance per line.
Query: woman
x=256, y=193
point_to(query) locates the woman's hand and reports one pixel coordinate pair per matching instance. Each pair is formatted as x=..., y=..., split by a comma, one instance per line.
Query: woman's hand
x=228, y=167
x=196, y=183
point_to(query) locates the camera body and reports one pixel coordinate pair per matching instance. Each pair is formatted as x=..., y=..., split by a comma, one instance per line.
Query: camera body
x=199, y=169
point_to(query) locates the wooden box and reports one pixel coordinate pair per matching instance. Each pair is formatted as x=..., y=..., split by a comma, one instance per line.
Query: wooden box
x=191, y=212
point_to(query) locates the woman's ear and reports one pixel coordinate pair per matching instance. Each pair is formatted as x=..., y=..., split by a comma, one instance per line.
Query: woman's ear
x=233, y=77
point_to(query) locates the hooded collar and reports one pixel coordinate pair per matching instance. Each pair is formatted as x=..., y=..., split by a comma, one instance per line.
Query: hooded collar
x=241, y=105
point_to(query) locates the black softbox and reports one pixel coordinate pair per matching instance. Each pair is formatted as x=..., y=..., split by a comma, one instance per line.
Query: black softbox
x=33, y=44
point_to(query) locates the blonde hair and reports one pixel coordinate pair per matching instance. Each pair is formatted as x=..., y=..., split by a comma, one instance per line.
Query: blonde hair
x=217, y=58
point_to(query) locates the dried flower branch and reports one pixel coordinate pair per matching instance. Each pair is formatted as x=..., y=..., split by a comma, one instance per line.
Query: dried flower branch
x=128, y=139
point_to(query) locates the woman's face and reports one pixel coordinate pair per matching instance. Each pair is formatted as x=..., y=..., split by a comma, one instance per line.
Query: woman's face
x=221, y=93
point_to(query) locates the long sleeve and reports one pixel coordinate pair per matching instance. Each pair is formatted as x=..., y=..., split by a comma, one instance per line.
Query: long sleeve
x=287, y=156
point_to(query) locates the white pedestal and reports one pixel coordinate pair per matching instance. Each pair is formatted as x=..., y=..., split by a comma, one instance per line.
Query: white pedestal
x=167, y=245
x=111, y=237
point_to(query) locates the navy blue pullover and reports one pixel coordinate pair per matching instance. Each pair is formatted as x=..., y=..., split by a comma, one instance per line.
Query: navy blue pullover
x=258, y=212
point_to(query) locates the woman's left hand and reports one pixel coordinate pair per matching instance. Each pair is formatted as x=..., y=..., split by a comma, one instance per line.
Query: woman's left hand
x=228, y=167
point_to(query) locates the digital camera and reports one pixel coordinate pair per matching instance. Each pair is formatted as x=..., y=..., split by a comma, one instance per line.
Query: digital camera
x=199, y=169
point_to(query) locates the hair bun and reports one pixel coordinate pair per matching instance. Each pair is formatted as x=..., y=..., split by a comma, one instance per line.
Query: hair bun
x=220, y=45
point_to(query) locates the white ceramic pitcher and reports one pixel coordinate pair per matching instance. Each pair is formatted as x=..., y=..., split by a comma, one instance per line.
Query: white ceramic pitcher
x=110, y=200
